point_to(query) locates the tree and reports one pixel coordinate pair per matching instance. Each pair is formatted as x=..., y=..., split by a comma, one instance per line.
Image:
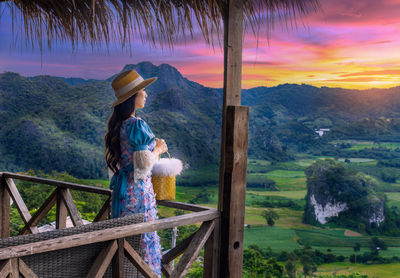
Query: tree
x=253, y=262
x=308, y=265
x=376, y=244
x=270, y=216
x=356, y=248
x=290, y=268
x=273, y=269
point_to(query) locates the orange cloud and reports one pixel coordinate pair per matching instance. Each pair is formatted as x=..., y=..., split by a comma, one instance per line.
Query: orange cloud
x=373, y=72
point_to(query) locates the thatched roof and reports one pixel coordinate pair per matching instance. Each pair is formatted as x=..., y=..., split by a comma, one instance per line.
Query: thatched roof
x=95, y=22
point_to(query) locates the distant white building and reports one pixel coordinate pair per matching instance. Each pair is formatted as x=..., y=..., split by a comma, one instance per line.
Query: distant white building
x=321, y=131
x=52, y=225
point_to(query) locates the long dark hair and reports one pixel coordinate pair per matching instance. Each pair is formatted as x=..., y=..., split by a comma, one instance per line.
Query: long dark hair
x=121, y=112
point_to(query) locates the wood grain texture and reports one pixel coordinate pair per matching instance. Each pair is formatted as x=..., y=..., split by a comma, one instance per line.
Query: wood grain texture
x=211, y=253
x=177, y=250
x=166, y=270
x=25, y=270
x=181, y=205
x=41, y=212
x=193, y=250
x=107, y=234
x=118, y=260
x=14, y=268
x=5, y=268
x=104, y=212
x=61, y=184
x=137, y=261
x=71, y=207
x=103, y=260
x=20, y=204
x=4, y=209
x=61, y=211
x=232, y=217
x=233, y=32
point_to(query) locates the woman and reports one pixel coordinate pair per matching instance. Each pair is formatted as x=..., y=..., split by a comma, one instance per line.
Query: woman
x=130, y=151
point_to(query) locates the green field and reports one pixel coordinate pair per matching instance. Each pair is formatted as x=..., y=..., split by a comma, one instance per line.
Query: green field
x=376, y=270
x=299, y=194
x=357, y=145
x=359, y=160
x=393, y=198
x=275, y=237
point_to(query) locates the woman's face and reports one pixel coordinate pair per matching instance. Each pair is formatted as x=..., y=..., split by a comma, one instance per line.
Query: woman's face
x=140, y=99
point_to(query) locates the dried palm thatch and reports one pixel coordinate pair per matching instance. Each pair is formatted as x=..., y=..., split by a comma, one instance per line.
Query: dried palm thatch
x=163, y=22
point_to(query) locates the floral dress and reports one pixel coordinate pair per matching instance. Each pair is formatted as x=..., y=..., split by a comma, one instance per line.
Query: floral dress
x=139, y=196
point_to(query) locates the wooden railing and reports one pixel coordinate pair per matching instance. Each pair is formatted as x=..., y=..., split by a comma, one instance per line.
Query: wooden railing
x=61, y=197
x=11, y=262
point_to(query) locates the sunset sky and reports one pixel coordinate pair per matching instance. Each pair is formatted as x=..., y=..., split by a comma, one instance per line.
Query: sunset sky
x=350, y=44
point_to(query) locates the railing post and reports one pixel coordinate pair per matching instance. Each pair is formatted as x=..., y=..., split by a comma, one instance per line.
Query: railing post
x=234, y=191
x=118, y=260
x=211, y=253
x=61, y=211
x=4, y=208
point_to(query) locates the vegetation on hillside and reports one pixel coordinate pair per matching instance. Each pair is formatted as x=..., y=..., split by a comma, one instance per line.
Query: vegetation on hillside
x=330, y=182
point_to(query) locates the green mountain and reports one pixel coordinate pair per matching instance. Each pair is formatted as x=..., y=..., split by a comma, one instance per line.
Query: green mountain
x=53, y=123
x=50, y=124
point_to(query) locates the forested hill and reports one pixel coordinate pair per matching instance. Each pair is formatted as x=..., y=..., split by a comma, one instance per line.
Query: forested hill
x=50, y=123
x=54, y=123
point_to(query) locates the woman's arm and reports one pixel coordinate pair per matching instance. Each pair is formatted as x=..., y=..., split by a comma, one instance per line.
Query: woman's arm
x=143, y=161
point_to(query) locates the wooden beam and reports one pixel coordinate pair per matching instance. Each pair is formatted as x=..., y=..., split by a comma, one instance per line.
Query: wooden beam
x=233, y=33
x=61, y=211
x=232, y=217
x=211, y=253
x=25, y=270
x=193, y=250
x=166, y=270
x=104, y=212
x=181, y=205
x=14, y=268
x=5, y=268
x=71, y=207
x=41, y=212
x=62, y=184
x=4, y=209
x=106, y=234
x=177, y=250
x=138, y=262
x=20, y=204
x=99, y=267
x=118, y=260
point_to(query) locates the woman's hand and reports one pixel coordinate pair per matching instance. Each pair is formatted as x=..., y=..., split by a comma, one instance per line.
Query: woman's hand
x=161, y=146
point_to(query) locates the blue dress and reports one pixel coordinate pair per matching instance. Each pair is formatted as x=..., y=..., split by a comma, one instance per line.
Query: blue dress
x=130, y=196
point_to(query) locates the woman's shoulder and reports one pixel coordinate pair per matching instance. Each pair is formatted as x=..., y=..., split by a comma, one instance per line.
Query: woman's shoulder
x=135, y=123
x=129, y=121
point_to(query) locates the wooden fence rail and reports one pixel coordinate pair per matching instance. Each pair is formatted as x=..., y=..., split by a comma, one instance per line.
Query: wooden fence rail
x=61, y=197
x=11, y=258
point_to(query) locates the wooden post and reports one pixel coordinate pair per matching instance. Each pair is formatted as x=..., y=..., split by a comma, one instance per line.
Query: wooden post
x=233, y=32
x=4, y=209
x=61, y=211
x=232, y=216
x=174, y=233
x=118, y=260
x=233, y=162
x=211, y=253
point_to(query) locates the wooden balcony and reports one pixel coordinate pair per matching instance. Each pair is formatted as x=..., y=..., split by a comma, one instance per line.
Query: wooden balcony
x=11, y=258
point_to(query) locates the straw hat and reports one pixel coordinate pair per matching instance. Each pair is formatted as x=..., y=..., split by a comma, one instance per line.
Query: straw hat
x=128, y=83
